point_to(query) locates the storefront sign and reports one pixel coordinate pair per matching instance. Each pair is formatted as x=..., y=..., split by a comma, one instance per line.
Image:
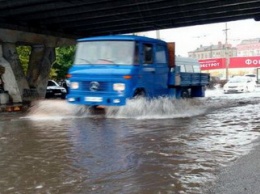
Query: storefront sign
x=234, y=62
x=244, y=62
x=208, y=64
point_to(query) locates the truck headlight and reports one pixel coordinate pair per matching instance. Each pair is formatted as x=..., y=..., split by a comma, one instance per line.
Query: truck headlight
x=119, y=87
x=74, y=85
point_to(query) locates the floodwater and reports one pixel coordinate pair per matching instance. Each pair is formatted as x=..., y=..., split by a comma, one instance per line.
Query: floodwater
x=147, y=147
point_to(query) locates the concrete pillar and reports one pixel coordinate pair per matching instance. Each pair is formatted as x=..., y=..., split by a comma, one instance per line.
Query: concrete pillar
x=41, y=60
x=13, y=77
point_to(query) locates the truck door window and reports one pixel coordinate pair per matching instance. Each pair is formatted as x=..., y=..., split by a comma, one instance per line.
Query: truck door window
x=136, y=53
x=148, y=53
x=160, y=54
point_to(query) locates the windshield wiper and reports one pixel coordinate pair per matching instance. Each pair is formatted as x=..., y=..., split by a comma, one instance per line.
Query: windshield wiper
x=106, y=60
x=85, y=60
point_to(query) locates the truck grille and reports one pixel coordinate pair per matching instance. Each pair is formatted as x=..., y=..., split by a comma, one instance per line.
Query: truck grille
x=95, y=86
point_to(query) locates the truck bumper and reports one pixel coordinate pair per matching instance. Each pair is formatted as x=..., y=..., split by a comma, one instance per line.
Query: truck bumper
x=96, y=100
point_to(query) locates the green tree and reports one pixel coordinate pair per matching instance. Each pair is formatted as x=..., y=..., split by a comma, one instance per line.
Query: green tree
x=24, y=55
x=64, y=60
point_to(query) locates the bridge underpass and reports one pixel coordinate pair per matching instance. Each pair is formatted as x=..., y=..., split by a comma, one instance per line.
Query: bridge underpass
x=23, y=87
x=46, y=24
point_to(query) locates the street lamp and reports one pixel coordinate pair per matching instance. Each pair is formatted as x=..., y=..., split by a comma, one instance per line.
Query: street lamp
x=226, y=50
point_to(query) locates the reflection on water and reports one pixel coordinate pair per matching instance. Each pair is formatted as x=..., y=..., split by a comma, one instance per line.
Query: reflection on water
x=156, y=146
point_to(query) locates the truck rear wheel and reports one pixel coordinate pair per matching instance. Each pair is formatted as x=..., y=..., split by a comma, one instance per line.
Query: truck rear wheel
x=185, y=93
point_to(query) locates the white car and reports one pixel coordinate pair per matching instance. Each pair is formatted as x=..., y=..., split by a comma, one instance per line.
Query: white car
x=239, y=84
x=54, y=90
x=253, y=76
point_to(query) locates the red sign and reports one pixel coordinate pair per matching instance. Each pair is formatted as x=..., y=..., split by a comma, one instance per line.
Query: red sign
x=234, y=62
x=244, y=62
x=208, y=64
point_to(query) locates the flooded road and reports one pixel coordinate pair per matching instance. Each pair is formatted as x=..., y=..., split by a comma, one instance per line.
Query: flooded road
x=148, y=147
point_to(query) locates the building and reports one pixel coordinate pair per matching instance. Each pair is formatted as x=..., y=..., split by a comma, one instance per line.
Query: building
x=213, y=51
x=250, y=47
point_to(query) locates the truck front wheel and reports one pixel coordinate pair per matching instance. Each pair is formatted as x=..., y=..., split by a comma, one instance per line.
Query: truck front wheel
x=139, y=93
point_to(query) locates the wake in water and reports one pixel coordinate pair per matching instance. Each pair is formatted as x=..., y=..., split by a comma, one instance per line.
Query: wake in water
x=141, y=108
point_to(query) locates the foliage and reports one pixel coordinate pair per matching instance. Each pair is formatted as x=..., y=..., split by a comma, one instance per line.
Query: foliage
x=24, y=55
x=64, y=60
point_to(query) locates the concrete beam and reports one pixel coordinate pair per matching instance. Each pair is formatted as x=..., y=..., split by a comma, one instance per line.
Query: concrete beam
x=14, y=36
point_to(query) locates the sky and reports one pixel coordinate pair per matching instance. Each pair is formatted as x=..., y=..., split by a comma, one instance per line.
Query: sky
x=189, y=38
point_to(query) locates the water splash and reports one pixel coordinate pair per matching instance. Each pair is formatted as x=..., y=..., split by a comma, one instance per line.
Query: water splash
x=55, y=110
x=159, y=108
x=141, y=108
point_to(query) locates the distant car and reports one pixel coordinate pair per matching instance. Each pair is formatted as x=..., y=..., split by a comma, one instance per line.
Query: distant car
x=54, y=90
x=253, y=76
x=239, y=84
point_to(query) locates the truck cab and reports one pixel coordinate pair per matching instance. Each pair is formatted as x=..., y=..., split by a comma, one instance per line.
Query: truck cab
x=108, y=70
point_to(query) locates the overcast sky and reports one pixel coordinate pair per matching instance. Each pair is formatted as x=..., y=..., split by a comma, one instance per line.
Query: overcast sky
x=189, y=38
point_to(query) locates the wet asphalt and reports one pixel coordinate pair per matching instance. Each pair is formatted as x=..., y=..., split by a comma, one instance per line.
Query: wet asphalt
x=199, y=146
x=240, y=177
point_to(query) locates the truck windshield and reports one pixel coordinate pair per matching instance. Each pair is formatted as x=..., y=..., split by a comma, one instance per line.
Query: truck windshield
x=105, y=52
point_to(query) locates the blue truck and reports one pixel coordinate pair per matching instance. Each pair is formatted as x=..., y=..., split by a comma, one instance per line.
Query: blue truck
x=109, y=70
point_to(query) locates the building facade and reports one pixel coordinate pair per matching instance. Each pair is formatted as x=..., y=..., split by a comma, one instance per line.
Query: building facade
x=213, y=51
x=250, y=47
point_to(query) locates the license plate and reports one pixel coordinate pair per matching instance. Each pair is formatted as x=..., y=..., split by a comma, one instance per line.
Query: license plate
x=57, y=94
x=93, y=99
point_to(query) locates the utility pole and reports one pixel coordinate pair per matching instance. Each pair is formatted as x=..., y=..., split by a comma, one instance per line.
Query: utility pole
x=226, y=50
x=158, y=35
x=211, y=52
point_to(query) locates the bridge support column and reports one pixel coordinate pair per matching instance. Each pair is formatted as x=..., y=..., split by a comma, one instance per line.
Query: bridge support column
x=14, y=78
x=41, y=60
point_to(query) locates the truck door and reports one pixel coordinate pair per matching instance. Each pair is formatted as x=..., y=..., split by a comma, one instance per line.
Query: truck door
x=161, y=70
x=148, y=68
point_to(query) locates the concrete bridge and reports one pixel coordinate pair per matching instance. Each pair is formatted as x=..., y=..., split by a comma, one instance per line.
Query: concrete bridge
x=25, y=87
